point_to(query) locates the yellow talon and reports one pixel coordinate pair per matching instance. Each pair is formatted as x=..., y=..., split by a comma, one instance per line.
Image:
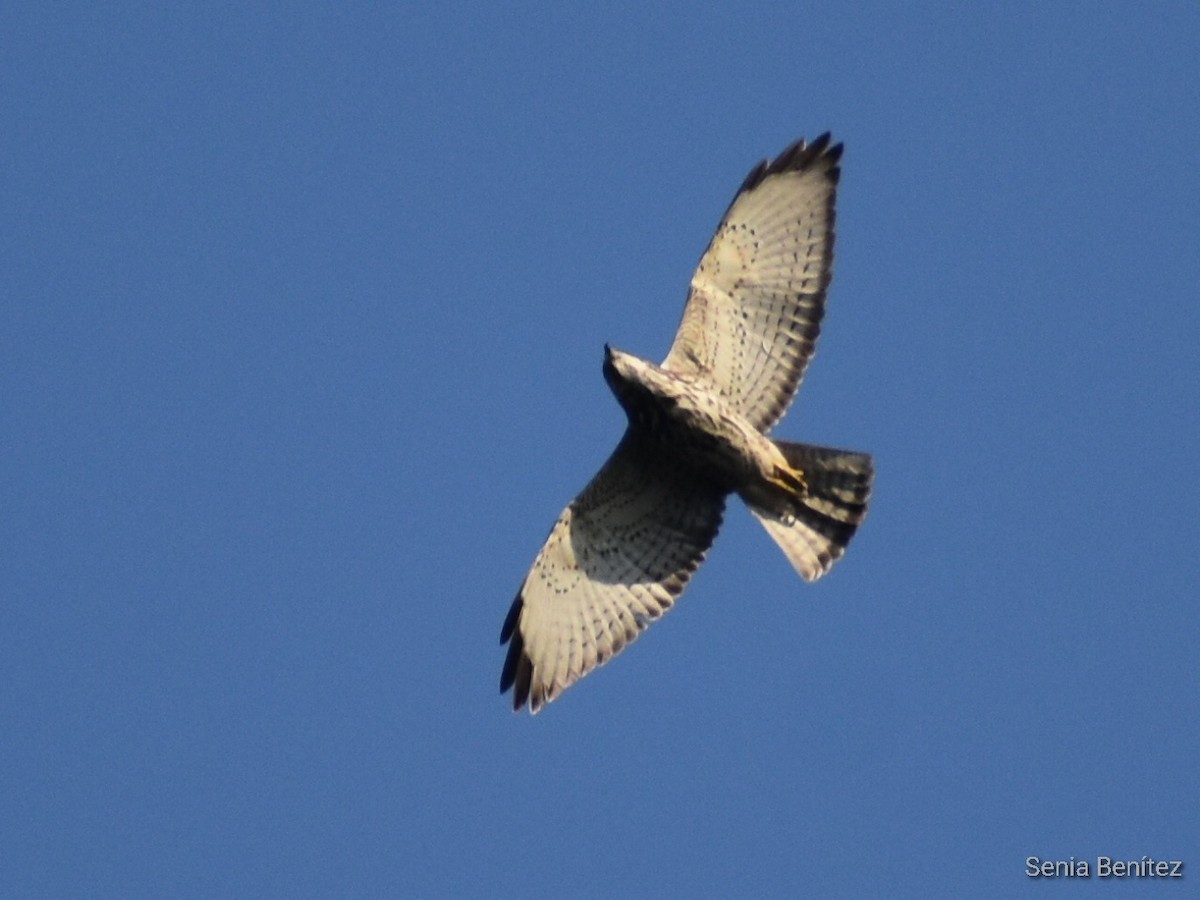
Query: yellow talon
x=791, y=480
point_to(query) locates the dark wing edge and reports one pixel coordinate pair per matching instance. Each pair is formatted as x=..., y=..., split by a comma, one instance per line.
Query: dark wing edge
x=518, y=668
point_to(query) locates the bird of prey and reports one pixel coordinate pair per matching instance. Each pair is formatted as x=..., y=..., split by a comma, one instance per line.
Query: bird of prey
x=624, y=549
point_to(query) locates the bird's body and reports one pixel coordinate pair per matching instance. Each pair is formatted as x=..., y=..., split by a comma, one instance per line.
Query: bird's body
x=689, y=424
x=624, y=549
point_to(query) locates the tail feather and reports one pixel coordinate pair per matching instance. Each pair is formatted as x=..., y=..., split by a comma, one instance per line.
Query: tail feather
x=814, y=529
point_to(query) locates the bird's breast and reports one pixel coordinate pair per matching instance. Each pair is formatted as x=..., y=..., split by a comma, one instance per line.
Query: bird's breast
x=690, y=425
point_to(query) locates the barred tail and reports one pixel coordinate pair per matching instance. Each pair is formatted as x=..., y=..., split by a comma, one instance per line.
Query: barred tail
x=815, y=530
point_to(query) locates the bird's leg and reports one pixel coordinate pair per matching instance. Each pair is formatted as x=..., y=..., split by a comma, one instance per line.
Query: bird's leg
x=790, y=480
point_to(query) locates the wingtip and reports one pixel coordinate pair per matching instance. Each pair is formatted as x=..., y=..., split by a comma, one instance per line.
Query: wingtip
x=796, y=157
x=517, y=673
x=801, y=155
x=510, y=620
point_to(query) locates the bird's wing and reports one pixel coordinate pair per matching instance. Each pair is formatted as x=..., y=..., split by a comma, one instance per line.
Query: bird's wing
x=754, y=311
x=615, y=561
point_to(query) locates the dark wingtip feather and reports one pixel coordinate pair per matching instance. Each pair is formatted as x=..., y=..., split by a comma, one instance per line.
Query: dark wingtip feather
x=517, y=673
x=800, y=156
x=524, y=678
x=753, y=177
x=518, y=670
x=510, y=621
x=508, y=674
x=797, y=157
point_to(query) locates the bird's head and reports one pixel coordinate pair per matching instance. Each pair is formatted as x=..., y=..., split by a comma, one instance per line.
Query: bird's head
x=637, y=383
x=619, y=367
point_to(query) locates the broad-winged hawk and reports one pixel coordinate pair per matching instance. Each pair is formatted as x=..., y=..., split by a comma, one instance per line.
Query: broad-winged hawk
x=625, y=548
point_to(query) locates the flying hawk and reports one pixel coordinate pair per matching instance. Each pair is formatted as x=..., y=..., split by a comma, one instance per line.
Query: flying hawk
x=625, y=548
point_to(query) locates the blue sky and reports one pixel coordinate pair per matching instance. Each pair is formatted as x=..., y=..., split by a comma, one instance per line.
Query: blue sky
x=301, y=328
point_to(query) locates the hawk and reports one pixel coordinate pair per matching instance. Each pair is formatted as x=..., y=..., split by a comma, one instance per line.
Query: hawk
x=624, y=549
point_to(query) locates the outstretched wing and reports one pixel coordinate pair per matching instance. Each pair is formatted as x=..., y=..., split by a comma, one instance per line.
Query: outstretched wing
x=615, y=561
x=754, y=311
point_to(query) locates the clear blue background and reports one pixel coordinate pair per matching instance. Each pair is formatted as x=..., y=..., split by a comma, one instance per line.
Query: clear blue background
x=300, y=343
